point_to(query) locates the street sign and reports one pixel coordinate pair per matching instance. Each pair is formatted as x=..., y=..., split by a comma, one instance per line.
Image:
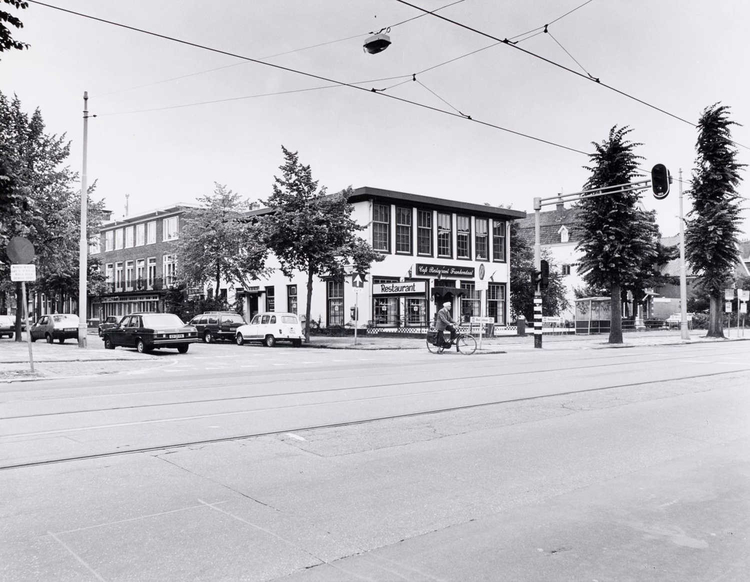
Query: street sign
x=23, y=272
x=744, y=294
x=728, y=307
x=743, y=307
x=357, y=281
x=481, y=285
x=728, y=294
x=481, y=320
x=20, y=251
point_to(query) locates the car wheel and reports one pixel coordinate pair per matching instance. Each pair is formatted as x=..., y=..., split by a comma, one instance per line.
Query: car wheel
x=100, y=333
x=33, y=339
x=108, y=345
x=183, y=348
x=142, y=347
x=270, y=341
x=48, y=337
x=297, y=343
x=239, y=339
x=207, y=337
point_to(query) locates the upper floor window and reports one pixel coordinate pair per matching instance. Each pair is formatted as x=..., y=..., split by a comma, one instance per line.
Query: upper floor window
x=151, y=232
x=463, y=237
x=170, y=228
x=129, y=266
x=140, y=234
x=381, y=227
x=445, y=235
x=109, y=240
x=169, y=270
x=95, y=245
x=481, y=238
x=118, y=239
x=564, y=234
x=129, y=237
x=109, y=273
x=498, y=240
x=403, y=230
x=424, y=232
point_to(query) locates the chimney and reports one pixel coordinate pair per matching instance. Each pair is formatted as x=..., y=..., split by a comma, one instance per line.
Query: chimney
x=560, y=204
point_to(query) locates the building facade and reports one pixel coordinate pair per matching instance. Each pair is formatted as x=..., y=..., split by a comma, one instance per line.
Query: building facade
x=434, y=250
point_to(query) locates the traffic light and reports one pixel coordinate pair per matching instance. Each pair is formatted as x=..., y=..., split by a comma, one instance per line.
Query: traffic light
x=536, y=278
x=660, y=181
x=544, y=275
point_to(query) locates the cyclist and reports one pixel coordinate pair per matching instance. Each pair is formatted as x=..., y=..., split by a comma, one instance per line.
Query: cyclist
x=445, y=321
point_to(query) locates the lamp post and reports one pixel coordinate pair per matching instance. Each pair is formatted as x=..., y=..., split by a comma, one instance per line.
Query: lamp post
x=684, y=333
x=83, y=251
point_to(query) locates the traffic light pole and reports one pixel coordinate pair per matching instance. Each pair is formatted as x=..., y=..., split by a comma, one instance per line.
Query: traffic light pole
x=553, y=200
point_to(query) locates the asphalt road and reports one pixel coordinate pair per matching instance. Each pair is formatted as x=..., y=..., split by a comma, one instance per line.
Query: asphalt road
x=254, y=464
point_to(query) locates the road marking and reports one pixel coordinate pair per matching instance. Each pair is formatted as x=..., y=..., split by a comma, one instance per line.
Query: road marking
x=295, y=436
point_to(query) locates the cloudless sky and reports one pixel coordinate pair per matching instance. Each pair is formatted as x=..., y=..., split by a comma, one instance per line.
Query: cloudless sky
x=174, y=119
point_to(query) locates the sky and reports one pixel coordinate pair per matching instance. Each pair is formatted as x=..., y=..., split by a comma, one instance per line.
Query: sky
x=174, y=119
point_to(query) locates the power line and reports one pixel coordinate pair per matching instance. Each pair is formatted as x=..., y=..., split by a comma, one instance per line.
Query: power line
x=306, y=74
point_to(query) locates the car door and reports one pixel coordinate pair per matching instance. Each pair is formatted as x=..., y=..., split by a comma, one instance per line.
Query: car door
x=117, y=333
x=132, y=331
x=37, y=330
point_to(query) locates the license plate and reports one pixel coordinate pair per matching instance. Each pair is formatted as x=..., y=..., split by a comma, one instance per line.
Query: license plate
x=175, y=336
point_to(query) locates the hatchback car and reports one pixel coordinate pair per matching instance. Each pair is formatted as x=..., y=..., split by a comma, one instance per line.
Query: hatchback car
x=56, y=326
x=7, y=326
x=270, y=328
x=108, y=323
x=217, y=325
x=150, y=331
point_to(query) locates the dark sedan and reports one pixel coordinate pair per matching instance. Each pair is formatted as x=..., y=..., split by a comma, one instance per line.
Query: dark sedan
x=150, y=331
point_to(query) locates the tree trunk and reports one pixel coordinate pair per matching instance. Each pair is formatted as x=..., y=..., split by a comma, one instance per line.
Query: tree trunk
x=615, y=329
x=715, y=317
x=218, y=280
x=309, y=305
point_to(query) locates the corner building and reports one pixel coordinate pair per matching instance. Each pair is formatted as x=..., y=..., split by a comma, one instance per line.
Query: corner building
x=435, y=250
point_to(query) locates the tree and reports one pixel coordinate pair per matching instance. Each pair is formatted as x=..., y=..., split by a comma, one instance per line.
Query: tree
x=713, y=224
x=7, y=42
x=219, y=241
x=554, y=298
x=613, y=242
x=312, y=232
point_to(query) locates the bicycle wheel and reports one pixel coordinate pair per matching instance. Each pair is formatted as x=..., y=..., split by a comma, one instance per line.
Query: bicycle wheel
x=431, y=347
x=466, y=345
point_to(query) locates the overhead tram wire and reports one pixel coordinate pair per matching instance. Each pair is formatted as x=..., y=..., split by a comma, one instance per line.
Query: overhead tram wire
x=309, y=75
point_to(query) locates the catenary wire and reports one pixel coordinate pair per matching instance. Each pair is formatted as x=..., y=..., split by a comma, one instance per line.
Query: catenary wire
x=309, y=75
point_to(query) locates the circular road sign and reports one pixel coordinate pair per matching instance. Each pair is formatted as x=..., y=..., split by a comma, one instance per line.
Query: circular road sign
x=20, y=251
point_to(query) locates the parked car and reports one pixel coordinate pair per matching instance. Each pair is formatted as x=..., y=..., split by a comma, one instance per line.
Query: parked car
x=108, y=323
x=150, y=331
x=7, y=326
x=270, y=328
x=55, y=326
x=217, y=325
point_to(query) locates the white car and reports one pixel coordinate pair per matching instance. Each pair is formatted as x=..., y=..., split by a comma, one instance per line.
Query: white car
x=270, y=328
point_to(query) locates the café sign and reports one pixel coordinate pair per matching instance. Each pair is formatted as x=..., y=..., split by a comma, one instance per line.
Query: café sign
x=424, y=270
x=399, y=288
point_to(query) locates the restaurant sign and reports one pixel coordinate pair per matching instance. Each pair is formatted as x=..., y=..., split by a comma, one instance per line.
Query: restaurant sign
x=444, y=271
x=399, y=288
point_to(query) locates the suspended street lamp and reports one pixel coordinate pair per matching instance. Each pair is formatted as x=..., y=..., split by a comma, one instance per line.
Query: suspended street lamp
x=378, y=42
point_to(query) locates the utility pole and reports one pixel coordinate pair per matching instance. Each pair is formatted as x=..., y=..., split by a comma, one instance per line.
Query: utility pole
x=684, y=333
x=83, y=327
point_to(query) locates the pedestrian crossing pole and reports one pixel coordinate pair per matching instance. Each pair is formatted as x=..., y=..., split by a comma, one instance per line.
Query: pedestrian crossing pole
x=537, y=269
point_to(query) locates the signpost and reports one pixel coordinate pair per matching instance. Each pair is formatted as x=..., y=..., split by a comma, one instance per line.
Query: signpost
x=25, y=273
x=358, y=283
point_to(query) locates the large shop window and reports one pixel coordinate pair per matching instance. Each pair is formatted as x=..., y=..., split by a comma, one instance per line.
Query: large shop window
x=496, y=302
x=335, y=299
x=424, y=232
x=445, y=235
x=291, y=298
x=470, y=302
x=403, y=230
x=381, y=227
x=416, y=308
x=463, y=237
x=498, y=241
x=482, y=238
x=387, y=311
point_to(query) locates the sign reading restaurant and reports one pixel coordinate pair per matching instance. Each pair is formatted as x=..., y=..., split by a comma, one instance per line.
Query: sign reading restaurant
x=444, y=271
x=399, y=288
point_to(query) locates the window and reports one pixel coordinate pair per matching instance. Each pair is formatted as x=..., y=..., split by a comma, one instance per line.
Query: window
x=129, y=237
x=566, y=270
x=169, y=264
x=140, y=274
x=496, y=302
x=424, y=232
x=498, y=241
x=140, y=234
x=129, y=266
x=95, y=247
x=335, y=292
x=270, y=299
x=170, y=228
x=470, y=302
x=417, y=311
x=151, y=232
x=109, y=240
x=481, y=238
x=291, y=298
x=387, y=311
x=564, y=234
x=463, y=237
x=109, y=272
x=118, y=276
x=118, y=239
x=403, y=230
x=445, y=235
x=151, y=273
x=381, y=227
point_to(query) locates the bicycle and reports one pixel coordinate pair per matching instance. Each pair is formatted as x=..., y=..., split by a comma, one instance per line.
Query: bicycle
x=464, y=342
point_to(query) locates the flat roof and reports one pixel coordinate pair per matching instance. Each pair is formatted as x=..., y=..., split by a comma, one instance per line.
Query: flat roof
x=171, y=209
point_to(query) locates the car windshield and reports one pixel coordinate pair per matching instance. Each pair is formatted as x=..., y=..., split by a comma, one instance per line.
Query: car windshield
x=66, y=318
x=157, y=320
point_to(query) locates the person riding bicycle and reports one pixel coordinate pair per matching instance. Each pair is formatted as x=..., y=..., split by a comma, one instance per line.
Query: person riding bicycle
x=445, y=321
